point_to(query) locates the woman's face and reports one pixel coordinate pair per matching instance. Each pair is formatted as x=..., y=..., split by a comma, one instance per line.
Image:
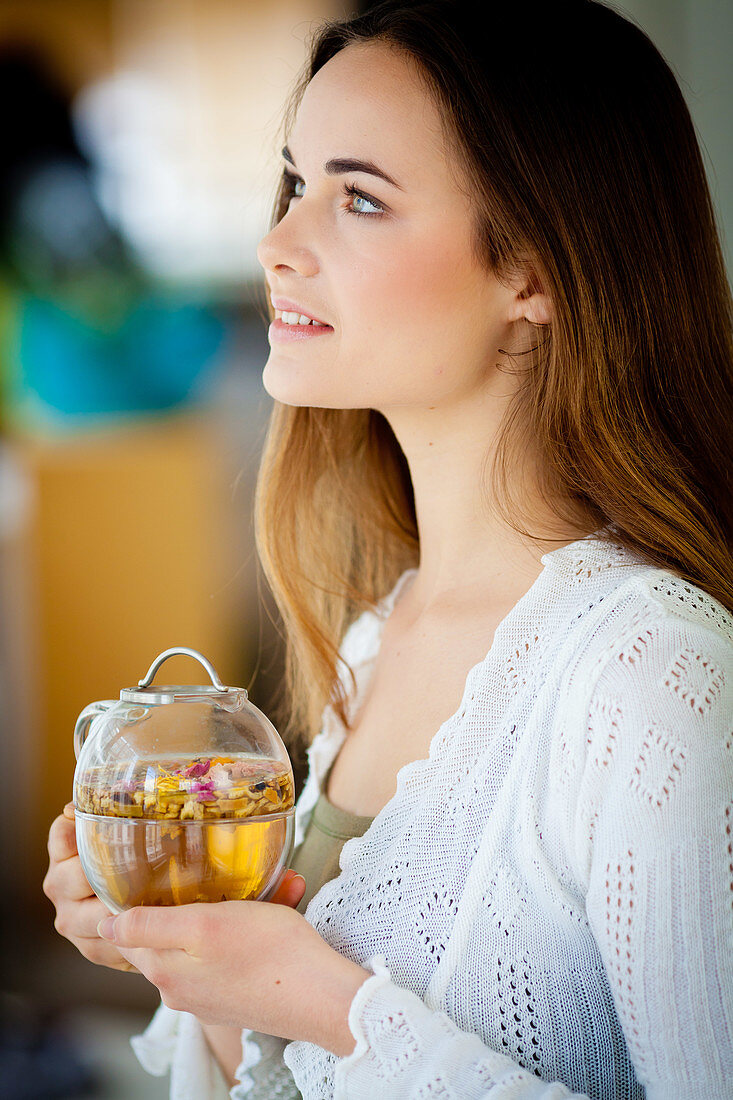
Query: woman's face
x=410, y=317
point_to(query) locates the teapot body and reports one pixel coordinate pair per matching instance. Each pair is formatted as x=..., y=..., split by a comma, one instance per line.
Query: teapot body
x=182, y=793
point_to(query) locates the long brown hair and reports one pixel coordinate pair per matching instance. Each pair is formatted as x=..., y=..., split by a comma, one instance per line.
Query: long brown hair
x=581, y=154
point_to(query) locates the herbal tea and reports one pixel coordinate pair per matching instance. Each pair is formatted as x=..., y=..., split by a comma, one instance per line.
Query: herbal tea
x=174, y=832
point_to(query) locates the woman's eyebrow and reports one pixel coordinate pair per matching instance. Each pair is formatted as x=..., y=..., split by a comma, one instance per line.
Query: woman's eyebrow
x=340, y=165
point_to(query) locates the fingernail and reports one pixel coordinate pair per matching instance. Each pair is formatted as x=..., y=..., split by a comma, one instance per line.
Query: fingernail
x=106, y=928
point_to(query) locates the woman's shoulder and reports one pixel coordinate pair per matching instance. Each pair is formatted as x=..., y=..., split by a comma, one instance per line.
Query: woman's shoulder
x=669, y=650
x=629, y=637
x=679, y=602
x=658, y=656
x=635, y=598
x=641, y=722
x=658, y=611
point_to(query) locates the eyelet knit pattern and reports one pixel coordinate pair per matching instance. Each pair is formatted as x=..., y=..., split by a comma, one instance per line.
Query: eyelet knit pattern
x=545, y=903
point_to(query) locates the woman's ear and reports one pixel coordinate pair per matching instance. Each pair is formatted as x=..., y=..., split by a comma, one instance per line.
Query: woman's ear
x=538, y=309
x=531, y=303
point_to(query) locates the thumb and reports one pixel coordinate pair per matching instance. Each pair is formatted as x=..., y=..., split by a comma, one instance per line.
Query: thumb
x=289, y=890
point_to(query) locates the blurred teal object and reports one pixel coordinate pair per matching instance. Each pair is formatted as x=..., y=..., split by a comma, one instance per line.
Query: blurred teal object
x=156, y=355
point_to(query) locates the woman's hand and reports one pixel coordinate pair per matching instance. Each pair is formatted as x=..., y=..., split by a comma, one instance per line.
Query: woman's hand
x=78, y=909
x=246, y=964
x=237, y=963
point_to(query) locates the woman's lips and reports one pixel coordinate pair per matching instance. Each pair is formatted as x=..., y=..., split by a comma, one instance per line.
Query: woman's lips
x=286, y=305
x=283, y=332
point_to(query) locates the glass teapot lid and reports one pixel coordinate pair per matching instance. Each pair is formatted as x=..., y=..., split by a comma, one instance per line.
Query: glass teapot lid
x=162, y=719
x=168, y=745
x=146, y=693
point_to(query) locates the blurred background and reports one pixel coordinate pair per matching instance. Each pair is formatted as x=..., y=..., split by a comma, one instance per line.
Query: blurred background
x=139, y=161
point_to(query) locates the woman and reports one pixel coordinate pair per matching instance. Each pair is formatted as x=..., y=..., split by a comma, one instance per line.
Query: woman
x=495, y=510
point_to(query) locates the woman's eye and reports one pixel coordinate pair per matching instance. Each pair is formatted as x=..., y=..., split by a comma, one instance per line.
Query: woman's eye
x=293, y=186
x=361, y=203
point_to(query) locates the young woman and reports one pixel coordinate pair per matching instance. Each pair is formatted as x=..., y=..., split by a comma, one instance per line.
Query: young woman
x=495, y=509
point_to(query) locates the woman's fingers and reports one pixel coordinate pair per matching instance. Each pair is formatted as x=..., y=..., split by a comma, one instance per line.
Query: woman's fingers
x=78, y=909
x=101, y=953
x=66, y=881
x=289, y=890
x=80, y=918
x=77, y=922
x=62, y=839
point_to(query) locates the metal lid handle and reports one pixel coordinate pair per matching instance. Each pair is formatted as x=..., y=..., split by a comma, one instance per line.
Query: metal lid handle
x=183, y=651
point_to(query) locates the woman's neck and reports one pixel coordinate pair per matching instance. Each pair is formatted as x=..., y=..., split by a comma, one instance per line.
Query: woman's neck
x=465, y=545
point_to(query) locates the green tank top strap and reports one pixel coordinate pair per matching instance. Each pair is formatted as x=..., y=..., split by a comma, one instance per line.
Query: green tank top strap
x=317, y=857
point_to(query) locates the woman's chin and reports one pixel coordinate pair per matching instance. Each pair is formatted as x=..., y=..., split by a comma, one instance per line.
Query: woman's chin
x=282, y=384
x=289, y=385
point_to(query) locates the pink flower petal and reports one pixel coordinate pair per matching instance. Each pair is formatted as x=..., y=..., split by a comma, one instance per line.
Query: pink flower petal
x=198, y=769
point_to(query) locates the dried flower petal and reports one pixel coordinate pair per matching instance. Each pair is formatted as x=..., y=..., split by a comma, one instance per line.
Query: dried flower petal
x=206, y=786
x=198, y=769
x=221, y=777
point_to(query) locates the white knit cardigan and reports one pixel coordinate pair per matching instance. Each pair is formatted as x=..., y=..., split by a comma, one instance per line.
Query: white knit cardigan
x=545, y=903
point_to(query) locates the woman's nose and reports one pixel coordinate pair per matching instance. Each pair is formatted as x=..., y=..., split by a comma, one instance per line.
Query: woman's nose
x=283, y=248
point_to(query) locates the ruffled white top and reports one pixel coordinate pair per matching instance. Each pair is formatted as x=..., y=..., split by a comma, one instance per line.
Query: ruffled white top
x=545, y=903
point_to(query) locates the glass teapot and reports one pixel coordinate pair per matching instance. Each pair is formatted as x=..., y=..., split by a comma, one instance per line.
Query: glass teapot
x=182, y=793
